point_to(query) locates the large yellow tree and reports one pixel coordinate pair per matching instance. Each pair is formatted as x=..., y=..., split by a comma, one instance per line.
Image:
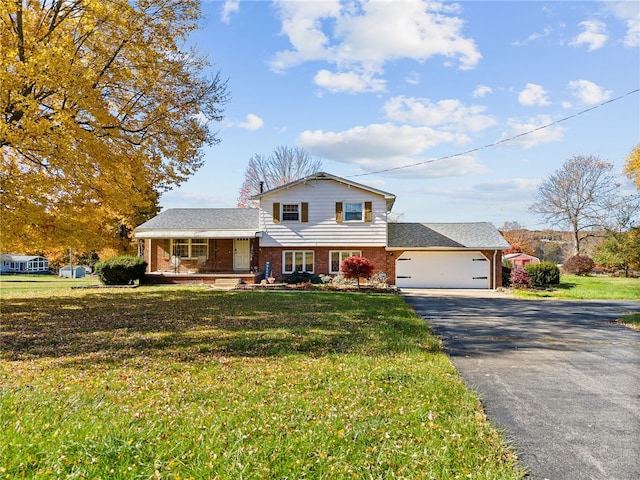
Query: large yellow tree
x=632, y=165
x=102, y=107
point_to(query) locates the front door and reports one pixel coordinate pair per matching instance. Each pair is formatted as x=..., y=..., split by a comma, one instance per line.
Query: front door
x=241, y=254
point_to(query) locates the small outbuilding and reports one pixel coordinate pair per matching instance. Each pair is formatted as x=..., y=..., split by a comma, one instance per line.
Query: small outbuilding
x=521, y=260
x=73, y=272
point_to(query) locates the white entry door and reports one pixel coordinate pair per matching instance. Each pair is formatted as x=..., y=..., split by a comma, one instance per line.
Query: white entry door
x=241, y=254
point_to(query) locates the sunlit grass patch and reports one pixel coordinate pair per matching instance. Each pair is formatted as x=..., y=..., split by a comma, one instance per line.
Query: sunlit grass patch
x=588, y=287
x=186, y=382
x=11, y=283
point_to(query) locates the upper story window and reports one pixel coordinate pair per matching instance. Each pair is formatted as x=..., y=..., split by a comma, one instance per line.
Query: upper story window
x=353, y=212
x=290, y=212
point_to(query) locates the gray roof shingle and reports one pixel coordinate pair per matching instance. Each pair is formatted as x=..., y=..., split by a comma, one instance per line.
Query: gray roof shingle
x=203, y=219
x=445, y=235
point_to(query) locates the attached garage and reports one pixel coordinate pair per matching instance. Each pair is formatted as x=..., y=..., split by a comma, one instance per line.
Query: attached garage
x=446, y=255
x=443, y=270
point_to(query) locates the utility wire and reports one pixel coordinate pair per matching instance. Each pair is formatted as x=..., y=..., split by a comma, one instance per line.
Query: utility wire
x=499, y=142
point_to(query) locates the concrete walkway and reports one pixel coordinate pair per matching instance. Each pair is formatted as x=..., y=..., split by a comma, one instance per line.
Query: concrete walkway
x=559, y=377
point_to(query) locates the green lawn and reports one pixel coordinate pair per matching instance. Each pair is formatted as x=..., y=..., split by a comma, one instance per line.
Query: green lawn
x=595, y=288
x=167, y=382
x=592, y=287
x=40, y=282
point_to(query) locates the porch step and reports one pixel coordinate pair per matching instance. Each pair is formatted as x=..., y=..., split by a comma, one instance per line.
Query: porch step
x=227, y=282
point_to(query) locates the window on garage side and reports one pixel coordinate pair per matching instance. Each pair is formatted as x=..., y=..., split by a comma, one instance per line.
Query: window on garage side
x=337, y=256
x=297, y=261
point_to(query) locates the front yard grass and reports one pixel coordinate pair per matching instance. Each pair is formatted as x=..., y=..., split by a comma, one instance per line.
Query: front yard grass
x=12, y=283
x=166, y=382
x=589, y=287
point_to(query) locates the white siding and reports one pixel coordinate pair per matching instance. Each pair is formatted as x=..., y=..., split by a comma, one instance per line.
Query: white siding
x=322, y=230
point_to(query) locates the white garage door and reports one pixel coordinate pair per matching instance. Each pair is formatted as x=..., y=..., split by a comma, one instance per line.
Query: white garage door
x=442, y=270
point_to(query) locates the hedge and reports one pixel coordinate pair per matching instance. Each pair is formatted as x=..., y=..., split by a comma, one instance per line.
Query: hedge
x=122, y=270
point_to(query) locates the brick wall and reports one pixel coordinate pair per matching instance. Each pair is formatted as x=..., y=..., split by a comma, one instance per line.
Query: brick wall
x=220, y=258
x=376, y=255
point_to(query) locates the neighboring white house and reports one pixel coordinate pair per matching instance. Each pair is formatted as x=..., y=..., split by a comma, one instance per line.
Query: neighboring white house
x=11, y=263
x=311, y=225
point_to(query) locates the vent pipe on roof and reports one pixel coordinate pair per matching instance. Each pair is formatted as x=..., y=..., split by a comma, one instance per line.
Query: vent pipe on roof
x=261, y=187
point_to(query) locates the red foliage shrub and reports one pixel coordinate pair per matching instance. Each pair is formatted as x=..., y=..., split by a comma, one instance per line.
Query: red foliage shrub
x=520, y=279
x=578, y=265
x=356, y=267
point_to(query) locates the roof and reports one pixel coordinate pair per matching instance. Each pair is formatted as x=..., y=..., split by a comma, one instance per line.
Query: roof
x=201, y=222
x=19, y=258
x=480, y=235
x=318, y=176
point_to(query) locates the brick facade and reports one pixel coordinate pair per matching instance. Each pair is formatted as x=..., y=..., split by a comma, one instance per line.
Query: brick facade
x=219, y=259
x=377, y=255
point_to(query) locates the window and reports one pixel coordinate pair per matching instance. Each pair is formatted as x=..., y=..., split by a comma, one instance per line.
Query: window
x=353, y=212
x=290, y=212
x=190, y=247
x=297, y=261
x=336, y=258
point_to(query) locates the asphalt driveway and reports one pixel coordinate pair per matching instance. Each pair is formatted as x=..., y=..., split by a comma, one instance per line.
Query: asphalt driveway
x=559, y=377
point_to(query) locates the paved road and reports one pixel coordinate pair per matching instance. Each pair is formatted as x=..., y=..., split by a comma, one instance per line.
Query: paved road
x=558, y=377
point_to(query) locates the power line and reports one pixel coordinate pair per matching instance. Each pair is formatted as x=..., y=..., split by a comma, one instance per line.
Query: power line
x=499, y=142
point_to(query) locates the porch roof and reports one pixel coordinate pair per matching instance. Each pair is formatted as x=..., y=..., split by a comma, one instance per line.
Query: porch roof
x=201, y=223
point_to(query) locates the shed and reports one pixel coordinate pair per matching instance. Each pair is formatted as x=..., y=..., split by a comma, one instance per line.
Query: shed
x=521, y=260
x=76, y=272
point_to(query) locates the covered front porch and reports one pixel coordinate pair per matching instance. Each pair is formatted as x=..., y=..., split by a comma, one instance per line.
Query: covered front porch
x=196, y=260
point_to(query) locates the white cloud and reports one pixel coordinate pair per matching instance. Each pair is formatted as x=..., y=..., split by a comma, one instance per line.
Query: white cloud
x=253, y=122
x=533, y=95
x=507, y=188
x=449, y=114
x=545, y=33
x=228, y=8
x=413, y=78
x=364, y=35
x=594, y=35
x=629, y=13
x=532, y=132
x=386, y=146
x=482, y=91
x=588, y=93
x=373, y=141
x=349, y=82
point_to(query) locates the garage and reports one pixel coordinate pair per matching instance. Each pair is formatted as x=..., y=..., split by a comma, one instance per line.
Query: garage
x=443, y=270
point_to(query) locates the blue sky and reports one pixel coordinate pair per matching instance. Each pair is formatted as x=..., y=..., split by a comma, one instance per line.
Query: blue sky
x=372, y=87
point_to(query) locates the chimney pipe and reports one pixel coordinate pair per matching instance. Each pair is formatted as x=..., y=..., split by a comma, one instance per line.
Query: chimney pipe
x=261, y=187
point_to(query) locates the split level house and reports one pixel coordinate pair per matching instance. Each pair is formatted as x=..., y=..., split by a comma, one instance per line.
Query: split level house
x=311, y=225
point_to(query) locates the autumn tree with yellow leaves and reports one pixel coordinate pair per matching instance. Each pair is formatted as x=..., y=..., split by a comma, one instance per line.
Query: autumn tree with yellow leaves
x=632, y=165
x=102, y=108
